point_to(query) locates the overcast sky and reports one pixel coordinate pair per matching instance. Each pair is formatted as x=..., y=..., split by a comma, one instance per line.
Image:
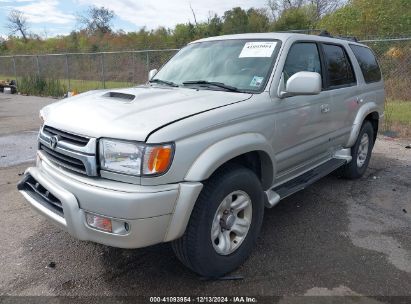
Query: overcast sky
x=53, y=17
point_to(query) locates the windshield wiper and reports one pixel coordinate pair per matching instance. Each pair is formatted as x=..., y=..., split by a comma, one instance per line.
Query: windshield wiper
x=212, y=83
x=169, y=83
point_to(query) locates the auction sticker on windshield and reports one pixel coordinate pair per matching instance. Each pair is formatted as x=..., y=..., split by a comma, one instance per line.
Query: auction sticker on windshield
x=258, y=49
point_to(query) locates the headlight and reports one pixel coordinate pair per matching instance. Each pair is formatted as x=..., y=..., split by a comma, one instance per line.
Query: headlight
x=134, y=158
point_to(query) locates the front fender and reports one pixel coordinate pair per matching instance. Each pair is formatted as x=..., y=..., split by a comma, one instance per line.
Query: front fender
x=222, y=151
x=366, y=109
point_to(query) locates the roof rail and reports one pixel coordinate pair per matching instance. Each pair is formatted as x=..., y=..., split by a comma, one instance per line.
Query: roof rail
x=306, y=31
x=349, y=38
x=325, y=33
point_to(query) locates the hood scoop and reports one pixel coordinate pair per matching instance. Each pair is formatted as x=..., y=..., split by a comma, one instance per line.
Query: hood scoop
x=120, y=96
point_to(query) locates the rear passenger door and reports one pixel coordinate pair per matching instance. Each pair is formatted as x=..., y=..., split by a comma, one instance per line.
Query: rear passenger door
x=342, y=91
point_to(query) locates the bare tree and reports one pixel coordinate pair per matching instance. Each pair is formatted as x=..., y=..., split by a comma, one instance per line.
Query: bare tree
x=194, y=15
x=96, y=19
x=273, y=9
x=288, y=4
x=323, y=7
x=17, y=23
x=277, y=7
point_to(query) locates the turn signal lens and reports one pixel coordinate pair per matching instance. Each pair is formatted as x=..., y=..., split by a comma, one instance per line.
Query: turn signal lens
x=157, y=159
x=99, y=222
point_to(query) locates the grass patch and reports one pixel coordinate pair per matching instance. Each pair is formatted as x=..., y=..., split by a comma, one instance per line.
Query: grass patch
x=77, y=84
x=399, y=111
x=35, y=85
x=398, y=117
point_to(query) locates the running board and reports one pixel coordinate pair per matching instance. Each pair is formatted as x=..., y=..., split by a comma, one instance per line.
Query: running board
x=272, y=199
x=301, y=182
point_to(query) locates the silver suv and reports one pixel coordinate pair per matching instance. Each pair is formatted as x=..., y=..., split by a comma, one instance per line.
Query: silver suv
x=229, y=126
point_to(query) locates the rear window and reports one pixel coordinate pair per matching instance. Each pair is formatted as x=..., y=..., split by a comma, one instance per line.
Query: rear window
x=340, y=72
x=368, y=63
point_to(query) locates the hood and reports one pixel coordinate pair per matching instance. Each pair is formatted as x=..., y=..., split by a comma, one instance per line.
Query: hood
x=132, y=113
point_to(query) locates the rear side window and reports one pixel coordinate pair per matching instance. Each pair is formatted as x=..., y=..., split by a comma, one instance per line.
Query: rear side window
x=340, y=72
x=368, y=63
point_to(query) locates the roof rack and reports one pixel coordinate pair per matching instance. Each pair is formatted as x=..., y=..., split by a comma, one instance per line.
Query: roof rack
x=306, y=31
x=325, y=33
x=320, y=32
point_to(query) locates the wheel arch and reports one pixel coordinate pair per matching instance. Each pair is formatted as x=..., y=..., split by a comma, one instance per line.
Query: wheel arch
x=250, y=150
x=373, y=118
x=368, y=112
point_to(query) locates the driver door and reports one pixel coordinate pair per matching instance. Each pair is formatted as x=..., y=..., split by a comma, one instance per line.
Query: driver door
x=302, y=135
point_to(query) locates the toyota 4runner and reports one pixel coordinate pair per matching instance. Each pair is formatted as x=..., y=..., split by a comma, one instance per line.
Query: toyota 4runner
x=229, y=126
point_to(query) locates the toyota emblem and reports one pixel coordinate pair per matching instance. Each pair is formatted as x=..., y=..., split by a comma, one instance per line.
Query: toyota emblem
x=54, y=141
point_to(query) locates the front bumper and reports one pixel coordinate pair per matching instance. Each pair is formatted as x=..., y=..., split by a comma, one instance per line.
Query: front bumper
x=154, y=214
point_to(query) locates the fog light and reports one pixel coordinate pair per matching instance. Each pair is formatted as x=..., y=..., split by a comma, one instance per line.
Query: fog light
x=127, y=227
x=99, y=222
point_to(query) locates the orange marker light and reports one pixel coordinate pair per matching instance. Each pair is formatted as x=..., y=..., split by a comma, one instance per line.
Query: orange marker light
x=159, y=159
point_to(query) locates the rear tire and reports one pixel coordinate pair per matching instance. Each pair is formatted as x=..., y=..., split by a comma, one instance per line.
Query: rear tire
x=218, y=239
x=361, y=153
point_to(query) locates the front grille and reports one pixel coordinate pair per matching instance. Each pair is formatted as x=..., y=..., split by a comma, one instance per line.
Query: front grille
x=41, y=195
x=64, y=160
x=68, y=137
x=70, y=151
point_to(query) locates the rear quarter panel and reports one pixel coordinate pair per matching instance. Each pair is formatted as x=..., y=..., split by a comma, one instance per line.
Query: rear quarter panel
x=371, y=98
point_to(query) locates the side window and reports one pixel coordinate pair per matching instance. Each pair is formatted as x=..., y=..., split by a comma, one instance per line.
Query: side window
x=302, y=56
x=368, y=63
x=338, y=66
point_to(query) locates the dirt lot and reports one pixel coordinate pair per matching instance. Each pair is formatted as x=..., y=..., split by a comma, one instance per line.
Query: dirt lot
x=337, y=237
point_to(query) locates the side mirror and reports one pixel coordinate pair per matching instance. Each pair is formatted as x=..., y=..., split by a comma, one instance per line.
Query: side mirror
x=152, y=73
x=302, y=83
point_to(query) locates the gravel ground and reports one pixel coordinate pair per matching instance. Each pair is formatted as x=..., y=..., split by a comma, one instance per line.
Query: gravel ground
x=20, y=113
x=337, y=237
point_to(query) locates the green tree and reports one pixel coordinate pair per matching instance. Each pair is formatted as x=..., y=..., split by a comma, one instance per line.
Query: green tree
x=184, y=33
x=3, y=45
x=258, y=20
x=214, y=25
x=300, y=18
x=235, y=21
x=368, y=18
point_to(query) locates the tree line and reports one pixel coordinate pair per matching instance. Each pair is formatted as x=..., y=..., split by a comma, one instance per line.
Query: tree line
x=360, y=18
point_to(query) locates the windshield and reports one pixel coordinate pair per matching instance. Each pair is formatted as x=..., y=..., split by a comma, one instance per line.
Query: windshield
x=235, y=65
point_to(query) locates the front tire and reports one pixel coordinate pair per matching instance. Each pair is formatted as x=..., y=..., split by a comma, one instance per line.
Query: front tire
x=224, y=224
x=361, y=153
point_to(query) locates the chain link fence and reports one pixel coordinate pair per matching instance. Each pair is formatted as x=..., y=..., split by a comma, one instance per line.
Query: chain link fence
x=394, y=56
x=57, y=74
x=86, y=71
x=81, y=72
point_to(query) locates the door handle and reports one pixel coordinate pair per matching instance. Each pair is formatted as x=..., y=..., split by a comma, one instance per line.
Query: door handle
x=325, y=108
